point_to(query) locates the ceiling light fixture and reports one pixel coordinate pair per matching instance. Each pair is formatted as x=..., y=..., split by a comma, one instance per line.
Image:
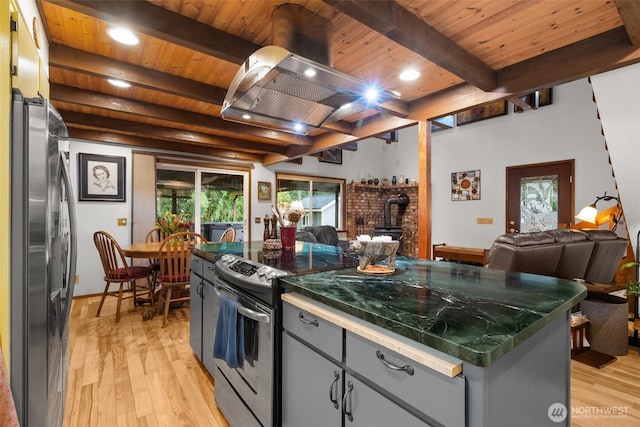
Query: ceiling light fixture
x=409, y=74
x=123, y=35
x=119, y=83
x=310, y=72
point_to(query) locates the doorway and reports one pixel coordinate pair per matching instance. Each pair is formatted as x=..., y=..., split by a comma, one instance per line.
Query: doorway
x=539, y=196
x=214, y=199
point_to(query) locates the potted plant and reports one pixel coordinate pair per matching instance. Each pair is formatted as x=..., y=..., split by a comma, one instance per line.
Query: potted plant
x=633, y=285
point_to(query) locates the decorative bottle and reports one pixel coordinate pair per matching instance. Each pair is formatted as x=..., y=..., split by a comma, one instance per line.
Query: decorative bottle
x=394, y=181
x=267, y=233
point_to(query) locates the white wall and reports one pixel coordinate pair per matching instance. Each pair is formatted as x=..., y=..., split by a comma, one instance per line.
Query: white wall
x=617, y=94
x=93, y=216
x=566, y=129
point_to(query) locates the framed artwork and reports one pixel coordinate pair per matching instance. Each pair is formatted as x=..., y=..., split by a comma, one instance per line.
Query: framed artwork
x=264, y=190
x=101, y=178
x=482, y=112
x=333, y=155
x=465, y=185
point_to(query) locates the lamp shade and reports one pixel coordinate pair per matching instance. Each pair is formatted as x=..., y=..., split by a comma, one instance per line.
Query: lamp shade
x=588, y=214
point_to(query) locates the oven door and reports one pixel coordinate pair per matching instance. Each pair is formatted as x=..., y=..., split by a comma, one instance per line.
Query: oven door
x=254, y=381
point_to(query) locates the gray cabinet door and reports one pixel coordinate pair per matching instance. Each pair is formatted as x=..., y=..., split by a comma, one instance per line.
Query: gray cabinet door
x=309, y=383
x=209, y=320
x=195, y=321
x=364, y=407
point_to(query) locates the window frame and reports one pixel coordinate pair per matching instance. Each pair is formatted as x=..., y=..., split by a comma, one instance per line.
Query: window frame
x=342, y=183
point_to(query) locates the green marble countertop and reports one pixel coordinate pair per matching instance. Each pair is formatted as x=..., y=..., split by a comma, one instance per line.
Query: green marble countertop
x=473, y=313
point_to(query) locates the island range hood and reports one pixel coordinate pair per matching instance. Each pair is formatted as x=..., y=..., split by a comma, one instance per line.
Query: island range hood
x=277, y=89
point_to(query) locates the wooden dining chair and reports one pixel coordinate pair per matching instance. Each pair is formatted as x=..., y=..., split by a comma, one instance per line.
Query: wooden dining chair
x=229, y=235
x=155, y=235
x=117, y=270
x=175, y=264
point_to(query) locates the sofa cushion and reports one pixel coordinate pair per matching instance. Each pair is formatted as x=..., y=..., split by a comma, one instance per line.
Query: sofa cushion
x=527, y=239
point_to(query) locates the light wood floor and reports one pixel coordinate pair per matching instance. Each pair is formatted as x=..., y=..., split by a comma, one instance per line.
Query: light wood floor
x=137, y=374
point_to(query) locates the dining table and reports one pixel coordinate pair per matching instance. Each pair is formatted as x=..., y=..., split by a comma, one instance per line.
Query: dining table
x=148, y=251
x=142, y=250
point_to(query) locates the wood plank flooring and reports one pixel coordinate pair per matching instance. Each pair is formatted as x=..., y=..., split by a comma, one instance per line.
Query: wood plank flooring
x=137, y=374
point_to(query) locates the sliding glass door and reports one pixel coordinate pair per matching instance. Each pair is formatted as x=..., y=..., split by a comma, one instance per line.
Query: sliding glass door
x=213, y=198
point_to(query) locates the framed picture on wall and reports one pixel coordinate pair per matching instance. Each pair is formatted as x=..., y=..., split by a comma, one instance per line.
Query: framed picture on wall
x=264, y=191
x=101, y=178
x=465, y=185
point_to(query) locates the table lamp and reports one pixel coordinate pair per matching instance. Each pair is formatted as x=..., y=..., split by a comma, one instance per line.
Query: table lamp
x=611, y=215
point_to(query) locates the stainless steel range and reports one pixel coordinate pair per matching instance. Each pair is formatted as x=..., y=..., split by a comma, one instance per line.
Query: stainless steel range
x=248, y=394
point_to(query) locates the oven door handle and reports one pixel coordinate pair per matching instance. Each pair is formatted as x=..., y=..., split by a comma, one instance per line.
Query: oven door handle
x=247, y=312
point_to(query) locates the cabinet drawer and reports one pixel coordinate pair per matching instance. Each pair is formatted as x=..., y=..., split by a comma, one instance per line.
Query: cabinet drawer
x=196, y=265
x=208, y=271
x=321, y=334
x=440, y=397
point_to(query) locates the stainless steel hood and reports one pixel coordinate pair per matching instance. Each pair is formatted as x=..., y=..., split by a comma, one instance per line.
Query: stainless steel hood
x=280, y=90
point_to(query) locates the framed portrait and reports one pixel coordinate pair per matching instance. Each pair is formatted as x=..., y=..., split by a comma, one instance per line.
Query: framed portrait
x=101, y=178
x=264, y=190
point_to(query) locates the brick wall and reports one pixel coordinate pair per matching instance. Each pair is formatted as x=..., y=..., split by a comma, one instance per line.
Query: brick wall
x=365, y=211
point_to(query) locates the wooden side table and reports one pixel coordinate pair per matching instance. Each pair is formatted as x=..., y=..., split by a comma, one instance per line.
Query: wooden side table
x=584, y=354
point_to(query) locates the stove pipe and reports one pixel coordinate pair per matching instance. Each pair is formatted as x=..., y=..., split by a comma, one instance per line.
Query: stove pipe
x=402, y=200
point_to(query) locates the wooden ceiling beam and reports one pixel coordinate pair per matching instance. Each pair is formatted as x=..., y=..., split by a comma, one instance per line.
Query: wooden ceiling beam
x=62, y=93
x=144, y=130
x=136, y=141
x=401, y=26
x=629, y=11
x=156, y=21
x=595, y=55
x=80, y=61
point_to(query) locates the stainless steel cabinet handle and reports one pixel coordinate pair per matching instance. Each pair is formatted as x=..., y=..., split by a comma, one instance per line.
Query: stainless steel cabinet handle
x=407, y=368
x=347, y=398
x=313, y=322
x=246, y=312
x=334, y=384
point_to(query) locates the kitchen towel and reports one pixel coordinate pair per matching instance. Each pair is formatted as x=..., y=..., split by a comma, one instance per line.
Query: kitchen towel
x=228, y=343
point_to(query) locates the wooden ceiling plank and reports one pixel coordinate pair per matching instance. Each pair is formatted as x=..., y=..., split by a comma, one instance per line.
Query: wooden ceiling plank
x=165, y=133
x=629, y=11
x=589, y=57
x=401, y=26
x=98, y=100
x=595, y=55
x=100, y=66
x=166, y=25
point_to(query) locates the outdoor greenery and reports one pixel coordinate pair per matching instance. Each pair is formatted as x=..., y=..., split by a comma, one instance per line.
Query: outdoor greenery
x=216, y=205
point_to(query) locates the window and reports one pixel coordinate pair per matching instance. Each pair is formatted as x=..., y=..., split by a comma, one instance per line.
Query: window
x=321, y=198
x=213, y=198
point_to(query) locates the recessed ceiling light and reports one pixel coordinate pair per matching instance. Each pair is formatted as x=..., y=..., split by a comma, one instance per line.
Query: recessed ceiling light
x=310, y=72
x=409, y=75
x=119, y=83
x=123, y=35
x=246, y=116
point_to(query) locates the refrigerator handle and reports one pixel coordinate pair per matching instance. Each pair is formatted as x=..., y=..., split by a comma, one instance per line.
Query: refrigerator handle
x=73, y=233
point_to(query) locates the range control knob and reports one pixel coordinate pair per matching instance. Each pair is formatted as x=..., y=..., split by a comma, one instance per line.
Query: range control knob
x=262, y=271
x=227, y=258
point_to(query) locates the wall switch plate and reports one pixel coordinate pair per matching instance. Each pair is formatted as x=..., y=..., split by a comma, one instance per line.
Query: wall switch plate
x=257, y=220
x=484, y=220
x=122, y=221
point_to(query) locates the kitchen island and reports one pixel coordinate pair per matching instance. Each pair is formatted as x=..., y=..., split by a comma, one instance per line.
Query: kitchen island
x=486, y=347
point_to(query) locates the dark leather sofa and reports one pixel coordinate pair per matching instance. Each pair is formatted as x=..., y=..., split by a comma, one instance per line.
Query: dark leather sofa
x=325, y=234
x=592, y=255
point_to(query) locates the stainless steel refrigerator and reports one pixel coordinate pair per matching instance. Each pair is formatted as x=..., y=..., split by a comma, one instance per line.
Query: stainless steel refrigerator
x=43, y=261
